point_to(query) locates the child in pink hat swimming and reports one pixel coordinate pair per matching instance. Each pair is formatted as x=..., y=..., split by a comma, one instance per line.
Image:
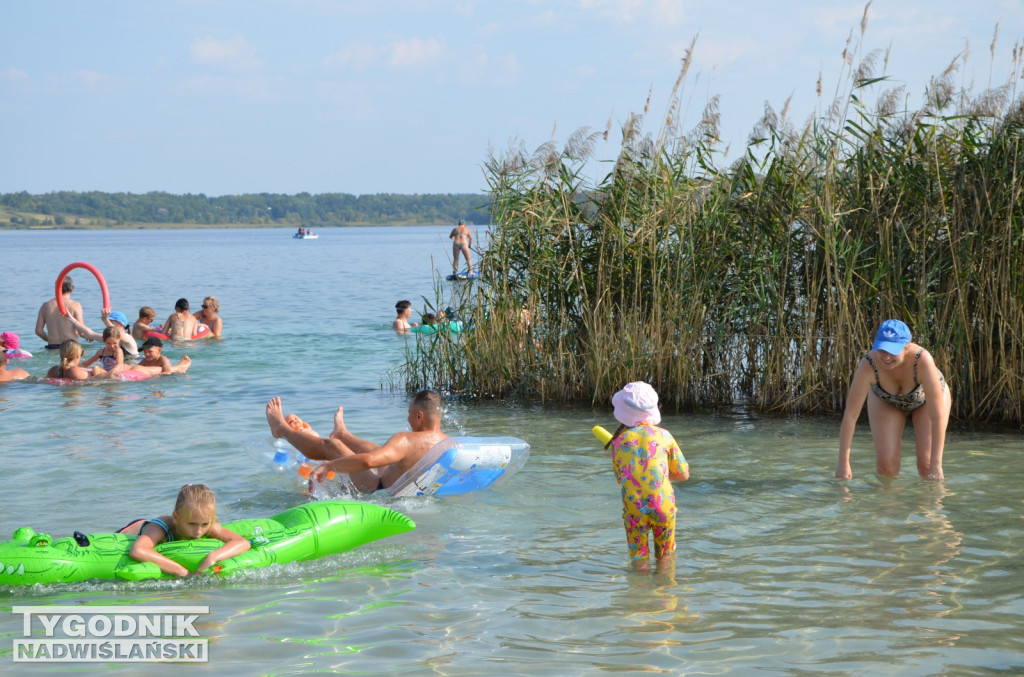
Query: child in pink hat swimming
x=646, y=459
x=10, y=344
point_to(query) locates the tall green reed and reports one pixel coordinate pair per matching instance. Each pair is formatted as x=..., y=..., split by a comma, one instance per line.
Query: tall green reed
x=760, y=283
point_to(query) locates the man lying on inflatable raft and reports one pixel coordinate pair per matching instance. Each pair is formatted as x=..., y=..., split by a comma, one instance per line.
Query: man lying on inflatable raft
x=425, y=461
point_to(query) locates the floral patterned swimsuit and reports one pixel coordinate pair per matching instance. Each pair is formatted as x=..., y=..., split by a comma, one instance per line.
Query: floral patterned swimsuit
x=643, y=457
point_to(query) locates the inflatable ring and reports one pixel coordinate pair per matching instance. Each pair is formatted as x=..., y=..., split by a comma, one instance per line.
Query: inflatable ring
x=455, y=327
x=202, y=331
x=459, y=465
x=92, y=269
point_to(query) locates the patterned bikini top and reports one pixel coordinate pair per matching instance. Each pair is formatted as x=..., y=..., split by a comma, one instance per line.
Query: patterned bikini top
x=908, y=402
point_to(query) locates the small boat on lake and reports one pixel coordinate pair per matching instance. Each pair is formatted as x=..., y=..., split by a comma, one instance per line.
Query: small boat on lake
x=305, y=234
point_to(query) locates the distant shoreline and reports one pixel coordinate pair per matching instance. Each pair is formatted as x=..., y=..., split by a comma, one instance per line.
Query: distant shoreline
x=208, y=226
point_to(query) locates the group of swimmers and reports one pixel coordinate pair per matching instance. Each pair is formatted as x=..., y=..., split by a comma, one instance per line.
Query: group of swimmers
x=403, y=310
x=896, y=379
x=61, y=330
x=462, y=239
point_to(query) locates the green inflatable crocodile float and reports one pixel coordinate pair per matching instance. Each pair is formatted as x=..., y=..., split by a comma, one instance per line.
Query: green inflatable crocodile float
x=301, y=533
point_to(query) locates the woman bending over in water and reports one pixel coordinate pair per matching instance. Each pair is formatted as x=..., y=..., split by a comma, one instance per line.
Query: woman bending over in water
x=898, y=379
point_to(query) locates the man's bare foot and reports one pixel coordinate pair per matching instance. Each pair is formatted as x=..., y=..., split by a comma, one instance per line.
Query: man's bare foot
x=275, y=417
x=339, y=424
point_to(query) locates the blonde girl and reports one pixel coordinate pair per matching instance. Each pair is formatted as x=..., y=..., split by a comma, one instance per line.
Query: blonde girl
x=110, y=356
x=194, y=516
x=69, y=368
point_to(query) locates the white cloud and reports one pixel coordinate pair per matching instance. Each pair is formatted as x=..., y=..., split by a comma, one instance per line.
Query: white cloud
x=398, y=55
x=544, y=20
x=482, y=69
x=415, y=52
x=709, y=54
x=350, y=101
x=88, y=79
x=629, y=11
x=253, y=89
x=235, y=53
x=358, y=55
x=15, y=74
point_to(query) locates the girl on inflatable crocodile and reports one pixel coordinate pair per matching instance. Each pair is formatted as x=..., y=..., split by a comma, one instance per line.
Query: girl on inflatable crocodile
x=194, y=516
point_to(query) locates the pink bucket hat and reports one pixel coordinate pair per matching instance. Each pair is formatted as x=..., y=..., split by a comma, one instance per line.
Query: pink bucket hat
x=636, y=403
x=10, y=339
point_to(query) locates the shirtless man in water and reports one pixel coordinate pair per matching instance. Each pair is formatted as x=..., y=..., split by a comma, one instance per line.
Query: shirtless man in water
x=370, y=465
x=401, y=325
x=55, y=328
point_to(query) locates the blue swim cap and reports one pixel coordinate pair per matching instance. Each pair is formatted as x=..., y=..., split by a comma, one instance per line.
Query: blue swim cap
x=118, y=316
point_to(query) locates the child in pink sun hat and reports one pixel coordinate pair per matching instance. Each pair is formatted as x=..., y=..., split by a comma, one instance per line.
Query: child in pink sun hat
x=10, y=343
x=646, y=460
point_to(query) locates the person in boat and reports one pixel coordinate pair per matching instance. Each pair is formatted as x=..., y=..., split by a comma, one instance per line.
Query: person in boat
x=371, y=466
x=194, y=516
x=208, y=315
x=898, y=379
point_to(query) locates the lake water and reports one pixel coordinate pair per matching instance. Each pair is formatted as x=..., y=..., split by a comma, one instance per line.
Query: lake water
x=781, y=570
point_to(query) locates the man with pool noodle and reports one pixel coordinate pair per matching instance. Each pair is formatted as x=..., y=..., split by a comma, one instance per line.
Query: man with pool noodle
x=52, y=326
x=371, y=466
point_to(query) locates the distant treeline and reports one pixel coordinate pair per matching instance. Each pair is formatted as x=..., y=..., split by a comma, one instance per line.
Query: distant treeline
x=67, y=208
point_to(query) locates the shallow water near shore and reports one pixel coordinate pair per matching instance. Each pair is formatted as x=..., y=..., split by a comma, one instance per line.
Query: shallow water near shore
x=781, y=569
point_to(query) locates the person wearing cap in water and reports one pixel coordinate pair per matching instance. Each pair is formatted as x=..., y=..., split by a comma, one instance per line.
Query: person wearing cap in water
x=10, y=345
x=127, y=341
x=646, y=460
x=897, y=379
x=155, y=363
x=10, y=374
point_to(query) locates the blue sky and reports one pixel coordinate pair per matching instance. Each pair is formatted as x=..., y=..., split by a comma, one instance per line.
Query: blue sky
x=237, y=96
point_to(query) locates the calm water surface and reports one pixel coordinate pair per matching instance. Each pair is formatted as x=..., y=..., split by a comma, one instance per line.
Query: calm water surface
x=781, y=570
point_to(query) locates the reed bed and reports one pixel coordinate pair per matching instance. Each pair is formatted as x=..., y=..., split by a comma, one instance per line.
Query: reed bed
x=761, y=283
